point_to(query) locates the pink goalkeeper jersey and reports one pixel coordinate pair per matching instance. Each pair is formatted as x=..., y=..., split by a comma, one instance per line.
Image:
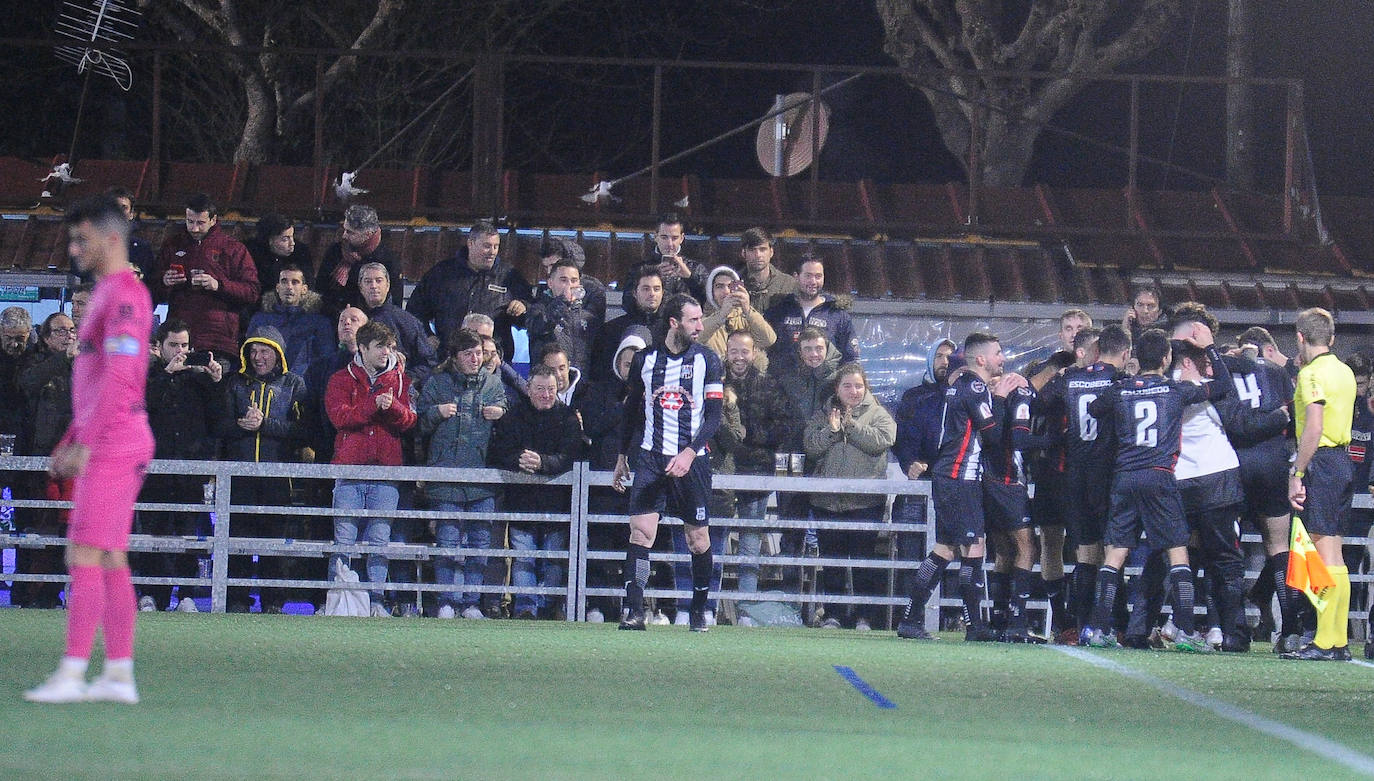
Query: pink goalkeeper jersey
x=110, y=372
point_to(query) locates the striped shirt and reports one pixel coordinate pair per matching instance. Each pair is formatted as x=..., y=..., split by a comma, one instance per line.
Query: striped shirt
x=674, y=400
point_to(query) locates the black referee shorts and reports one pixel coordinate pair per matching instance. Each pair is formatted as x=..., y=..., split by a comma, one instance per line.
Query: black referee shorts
x=654, y=491
x=1330, y=483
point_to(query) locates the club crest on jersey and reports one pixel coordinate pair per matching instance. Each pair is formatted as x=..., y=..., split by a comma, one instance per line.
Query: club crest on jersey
x=977, y=386
x=673, y=398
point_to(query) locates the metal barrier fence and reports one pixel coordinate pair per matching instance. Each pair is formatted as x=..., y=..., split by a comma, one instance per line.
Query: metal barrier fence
x=580, y=481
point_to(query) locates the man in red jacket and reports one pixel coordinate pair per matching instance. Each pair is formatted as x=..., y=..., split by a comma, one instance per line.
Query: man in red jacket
x=206, y=277
x=369, y=402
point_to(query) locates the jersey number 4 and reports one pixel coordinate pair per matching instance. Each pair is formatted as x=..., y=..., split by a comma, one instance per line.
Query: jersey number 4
x=1247, y=389
x=1146, y=416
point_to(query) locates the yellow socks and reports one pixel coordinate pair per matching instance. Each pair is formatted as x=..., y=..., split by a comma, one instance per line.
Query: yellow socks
x=1333, y=622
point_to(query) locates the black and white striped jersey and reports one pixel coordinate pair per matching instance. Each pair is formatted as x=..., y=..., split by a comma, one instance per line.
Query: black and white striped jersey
x=671, y=398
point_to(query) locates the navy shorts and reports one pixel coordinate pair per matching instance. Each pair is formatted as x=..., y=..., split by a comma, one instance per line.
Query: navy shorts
x=1264, y=479
x=958, y=510
x=1006, y=507
x=1330, y=482
x=1088, y=503
x=1147, y=500
x=687, y=497
x=1048, y=507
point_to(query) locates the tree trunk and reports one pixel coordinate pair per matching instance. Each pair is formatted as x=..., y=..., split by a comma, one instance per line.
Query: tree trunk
x=259, y=125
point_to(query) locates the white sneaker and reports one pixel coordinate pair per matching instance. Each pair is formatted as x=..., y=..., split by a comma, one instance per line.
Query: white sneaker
x=682, y=618
x=147, y=604
x=746, y=621
x=446, y=611
x=378, y=610
x=594, y=617
x=105, y=689
x=59, y=688
x=862, y=626
x=474, y=612
x=187, y=605
x=1214, y=637
x=661, y=620
x=710, y=618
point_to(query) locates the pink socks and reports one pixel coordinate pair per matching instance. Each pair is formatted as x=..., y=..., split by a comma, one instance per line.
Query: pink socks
x=121, y=609
x=85, y=609
x=101, y=597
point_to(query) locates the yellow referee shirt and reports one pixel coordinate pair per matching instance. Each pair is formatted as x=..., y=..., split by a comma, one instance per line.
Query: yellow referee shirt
x=1326, y=380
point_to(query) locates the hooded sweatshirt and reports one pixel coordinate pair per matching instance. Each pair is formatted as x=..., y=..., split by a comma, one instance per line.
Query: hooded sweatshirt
x=279, y=395
x=602, y=405
x=918, y=416
x=717, y=326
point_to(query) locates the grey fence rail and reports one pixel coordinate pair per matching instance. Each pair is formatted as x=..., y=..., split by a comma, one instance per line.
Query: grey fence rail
x=580, y=481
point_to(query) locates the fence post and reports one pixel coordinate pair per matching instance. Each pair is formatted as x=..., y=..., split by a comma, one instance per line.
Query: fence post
x=577, y=544
x=219, y=556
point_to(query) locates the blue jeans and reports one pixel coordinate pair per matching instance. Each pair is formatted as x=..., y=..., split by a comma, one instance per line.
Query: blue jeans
x=469, y=533
x=365, y=495
x=544, y=537
x=751, y=506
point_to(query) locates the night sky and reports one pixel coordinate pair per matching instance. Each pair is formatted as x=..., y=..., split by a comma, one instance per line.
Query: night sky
x=880, y=128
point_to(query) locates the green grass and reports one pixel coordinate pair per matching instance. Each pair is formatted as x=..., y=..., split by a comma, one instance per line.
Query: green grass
x=290, y=697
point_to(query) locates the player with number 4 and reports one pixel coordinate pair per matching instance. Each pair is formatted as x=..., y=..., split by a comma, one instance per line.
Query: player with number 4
x=1145, y=415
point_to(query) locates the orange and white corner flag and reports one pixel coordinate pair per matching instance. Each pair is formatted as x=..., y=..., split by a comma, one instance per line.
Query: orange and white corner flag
x=1306, y=572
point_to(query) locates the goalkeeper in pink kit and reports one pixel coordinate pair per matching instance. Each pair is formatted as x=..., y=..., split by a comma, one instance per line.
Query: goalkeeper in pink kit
x=106, y=451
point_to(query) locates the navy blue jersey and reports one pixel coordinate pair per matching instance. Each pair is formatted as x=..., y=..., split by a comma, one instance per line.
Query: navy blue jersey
x=1146, y=415
x=1261, y=386
x=967, y=417
x=1361, y=431
x=674, y=400
x=1050, y=419
x=1003, y=460
x=1086, y=441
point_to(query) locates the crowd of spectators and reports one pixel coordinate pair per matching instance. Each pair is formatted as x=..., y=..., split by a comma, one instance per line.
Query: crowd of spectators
x=264, y=358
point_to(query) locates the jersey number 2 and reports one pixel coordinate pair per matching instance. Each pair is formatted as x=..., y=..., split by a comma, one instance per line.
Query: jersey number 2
x=1146, y=416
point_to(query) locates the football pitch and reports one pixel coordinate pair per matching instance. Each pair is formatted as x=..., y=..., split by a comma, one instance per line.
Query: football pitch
x=237, y=696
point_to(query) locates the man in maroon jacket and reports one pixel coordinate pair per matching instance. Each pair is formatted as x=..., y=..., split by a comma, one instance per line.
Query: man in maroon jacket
x=369, y=403
x=206, y=277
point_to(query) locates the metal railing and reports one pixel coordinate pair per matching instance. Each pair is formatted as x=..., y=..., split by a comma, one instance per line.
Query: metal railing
x=580, y=481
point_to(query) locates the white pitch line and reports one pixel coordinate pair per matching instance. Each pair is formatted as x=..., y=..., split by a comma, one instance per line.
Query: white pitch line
x=1362, y=663
x=1321, y=746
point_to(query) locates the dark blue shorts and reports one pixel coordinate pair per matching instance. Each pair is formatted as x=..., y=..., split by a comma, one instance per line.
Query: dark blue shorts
x=1048, y=508
x=1146, y=500
x=1006, y=507
x=1330, y=481
x=1264, y=478
x=958, y=510
x=687, y=498
x=1088, y=502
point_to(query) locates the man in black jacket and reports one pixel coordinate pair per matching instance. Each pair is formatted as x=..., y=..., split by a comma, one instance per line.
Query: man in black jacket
x=183, y=397
x=375, y=285
x=646, y=292
x=540, y=436
x=476, y=279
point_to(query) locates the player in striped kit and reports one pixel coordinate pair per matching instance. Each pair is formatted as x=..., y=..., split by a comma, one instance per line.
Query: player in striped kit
x=674, y=406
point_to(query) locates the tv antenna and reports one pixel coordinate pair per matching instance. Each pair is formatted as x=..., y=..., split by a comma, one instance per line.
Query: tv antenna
x=98, y=21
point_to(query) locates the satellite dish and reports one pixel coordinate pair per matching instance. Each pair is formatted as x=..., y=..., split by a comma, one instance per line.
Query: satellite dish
x=784, y=141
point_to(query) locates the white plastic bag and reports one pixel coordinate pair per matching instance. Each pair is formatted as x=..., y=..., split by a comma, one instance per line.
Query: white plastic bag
x=349, y=599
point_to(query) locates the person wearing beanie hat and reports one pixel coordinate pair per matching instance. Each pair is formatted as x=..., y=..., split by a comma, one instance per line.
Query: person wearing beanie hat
x=729, y=310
